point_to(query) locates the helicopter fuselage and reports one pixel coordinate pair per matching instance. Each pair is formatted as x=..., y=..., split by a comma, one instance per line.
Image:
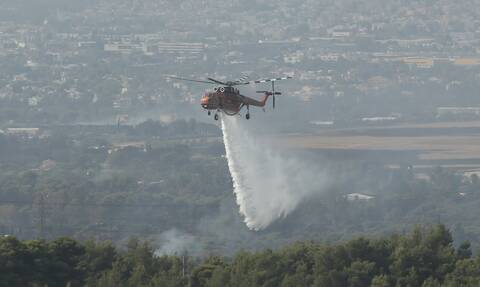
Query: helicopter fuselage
x=229, y=100
x=226, y=99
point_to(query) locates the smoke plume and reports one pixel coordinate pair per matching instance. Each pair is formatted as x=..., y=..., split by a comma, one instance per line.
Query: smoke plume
x=269, y=182
x=175, y=242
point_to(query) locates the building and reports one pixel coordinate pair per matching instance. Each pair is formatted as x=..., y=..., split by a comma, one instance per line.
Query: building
x=424, y=63
x=458, y=112
x=358, y=197
x=23, y=132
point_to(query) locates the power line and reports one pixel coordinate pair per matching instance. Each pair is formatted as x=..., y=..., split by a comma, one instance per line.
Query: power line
x=45, y=228
x=126, y=205
x=70, y=229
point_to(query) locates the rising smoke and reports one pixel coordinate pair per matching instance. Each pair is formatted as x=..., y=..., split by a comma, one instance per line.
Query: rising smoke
x=269, y=182
x=176, y=242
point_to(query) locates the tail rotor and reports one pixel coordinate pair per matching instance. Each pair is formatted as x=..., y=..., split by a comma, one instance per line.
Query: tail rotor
x=273, y=92
x=269, y=93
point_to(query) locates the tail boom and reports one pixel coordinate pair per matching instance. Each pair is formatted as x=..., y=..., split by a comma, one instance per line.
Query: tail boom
x=257, y=103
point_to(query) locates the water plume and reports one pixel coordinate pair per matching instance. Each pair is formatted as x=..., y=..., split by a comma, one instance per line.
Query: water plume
x=268, y=181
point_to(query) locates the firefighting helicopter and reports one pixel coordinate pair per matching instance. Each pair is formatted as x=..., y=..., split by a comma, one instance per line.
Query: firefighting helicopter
x=227, y=99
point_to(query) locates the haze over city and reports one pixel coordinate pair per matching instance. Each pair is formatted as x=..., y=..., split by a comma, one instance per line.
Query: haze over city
x=240, y=143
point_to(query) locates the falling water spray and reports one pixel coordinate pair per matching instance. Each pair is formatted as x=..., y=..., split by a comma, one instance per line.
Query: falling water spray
x=268, y=182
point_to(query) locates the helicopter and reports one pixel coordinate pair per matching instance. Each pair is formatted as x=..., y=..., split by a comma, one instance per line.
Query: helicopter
x=227, y=99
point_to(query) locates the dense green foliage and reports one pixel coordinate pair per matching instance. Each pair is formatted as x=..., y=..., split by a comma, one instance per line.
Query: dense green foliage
x=424, y=257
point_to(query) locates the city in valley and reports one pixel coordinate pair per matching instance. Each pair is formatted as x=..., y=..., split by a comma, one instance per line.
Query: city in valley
x=239, y=143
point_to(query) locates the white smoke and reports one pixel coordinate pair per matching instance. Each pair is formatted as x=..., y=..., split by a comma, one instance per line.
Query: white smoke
x=269, y=182
x=175, y=242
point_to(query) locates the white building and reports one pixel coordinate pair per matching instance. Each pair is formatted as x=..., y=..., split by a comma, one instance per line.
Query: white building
x=358, y=197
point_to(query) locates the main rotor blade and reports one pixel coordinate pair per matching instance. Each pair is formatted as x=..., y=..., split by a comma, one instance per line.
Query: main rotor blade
x=269, y=93
x=243, y=78
x=218, y=82
x=190, y=80
x=261, y=81
x=271, y=80
x=240, y=80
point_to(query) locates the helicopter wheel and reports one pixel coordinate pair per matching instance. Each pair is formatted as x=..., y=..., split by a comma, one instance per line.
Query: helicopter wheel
x=216, y=117
x=247, y=116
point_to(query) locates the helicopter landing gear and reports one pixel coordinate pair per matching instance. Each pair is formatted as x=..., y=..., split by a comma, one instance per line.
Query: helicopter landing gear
x=209, y=113
x=247, y=116
x=216, y=117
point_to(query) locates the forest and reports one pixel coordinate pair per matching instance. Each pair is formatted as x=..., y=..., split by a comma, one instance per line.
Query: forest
x=424, y=257
x=154, y=179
